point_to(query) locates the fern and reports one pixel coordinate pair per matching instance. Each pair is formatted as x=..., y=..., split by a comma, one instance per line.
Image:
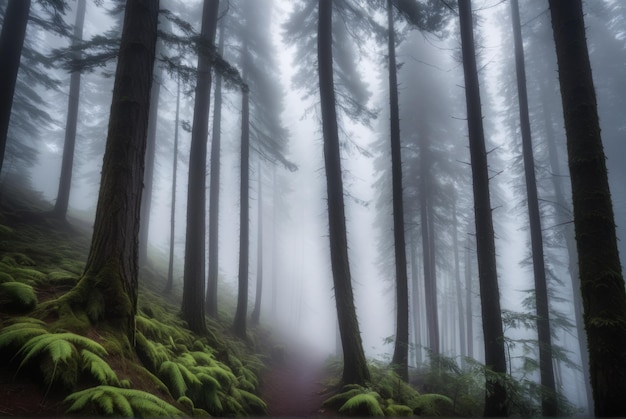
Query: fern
x=432, y=404
x=364, y=404
x=252, y=402
x=17, y=296
x=5, y=277
x=19, y=333
x=340, y=399
x=98, y=368
x=114, y=401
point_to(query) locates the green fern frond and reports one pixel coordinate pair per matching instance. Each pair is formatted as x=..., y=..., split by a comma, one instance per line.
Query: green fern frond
x=171, y=375
x=221, y=373
x=107, y=400
x=5, y=277
x=19, y=333
x=18, y=296
x=340, y=399
x=28, y=275
x=431, y=404
x=58, y=349
x=398, y=410
x=203, y=358
x=253, y=402
x=365, y=404
x=98, y=368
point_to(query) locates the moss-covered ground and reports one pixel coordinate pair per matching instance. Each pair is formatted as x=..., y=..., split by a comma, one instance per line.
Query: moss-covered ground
x=56, y=362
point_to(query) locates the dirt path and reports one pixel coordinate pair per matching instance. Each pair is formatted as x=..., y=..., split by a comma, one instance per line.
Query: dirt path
x=294, y=387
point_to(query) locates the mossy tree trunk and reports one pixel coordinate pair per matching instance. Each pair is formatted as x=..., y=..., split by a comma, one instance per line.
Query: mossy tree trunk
x=546, y=370
x=601, y=280
x=193, y=279
x=496, y=394
x=107, y=291
x=11, y=43
x=67, y=163
x=355, y=369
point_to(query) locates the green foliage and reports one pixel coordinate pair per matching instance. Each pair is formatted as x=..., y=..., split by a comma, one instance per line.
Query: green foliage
x=113, y=401
x=5, y=230
x=17, y=296
x=364, y=404
x=60, y=356
x=432, y=405
x=398, y=410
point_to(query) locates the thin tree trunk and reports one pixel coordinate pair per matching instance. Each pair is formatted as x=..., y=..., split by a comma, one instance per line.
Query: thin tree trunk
x=428, y=250
x=457, y=282
x=256, y=313
x=549, y=396
x=214, y=191
x=274, y=244
x=11, y=43
x=107, y=290
x=401, y=349
x=469, y=315
x=355, y=369
x=417, y=320
x=602, y=283
x=67, y=163
x=495, y=359
x=170, y=269
x=244, y=225
x=193, y=282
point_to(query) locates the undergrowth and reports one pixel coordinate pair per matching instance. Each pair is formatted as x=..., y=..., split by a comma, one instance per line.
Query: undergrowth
x=169, y=372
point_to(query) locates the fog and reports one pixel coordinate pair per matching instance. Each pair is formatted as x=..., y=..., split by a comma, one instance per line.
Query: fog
x=298, y=301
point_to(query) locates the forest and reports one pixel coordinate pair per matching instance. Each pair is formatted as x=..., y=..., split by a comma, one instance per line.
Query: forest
x=312, y=208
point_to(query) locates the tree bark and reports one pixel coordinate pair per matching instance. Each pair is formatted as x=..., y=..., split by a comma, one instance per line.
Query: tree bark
x=241, y=313
x=563, y=218
x=214, y=190
x=549, y=396
x=457, y=282
x=193, y=280
x=170, y=269
x=496, y=394
x=355, y=369
x=67, y=163
x=601, y=280
x=401, y=349
x=146, y=201
x=108, y=288
x=11, y=43
x=428, y=248
x=256, y=313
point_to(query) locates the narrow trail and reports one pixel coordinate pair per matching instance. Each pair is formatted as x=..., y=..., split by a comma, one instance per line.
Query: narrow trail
x=294, y=387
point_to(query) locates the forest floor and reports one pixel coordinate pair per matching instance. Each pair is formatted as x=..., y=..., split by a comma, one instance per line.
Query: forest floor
x=295, y=386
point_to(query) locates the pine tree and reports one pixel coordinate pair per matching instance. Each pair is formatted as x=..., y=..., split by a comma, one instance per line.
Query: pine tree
x=601, y=280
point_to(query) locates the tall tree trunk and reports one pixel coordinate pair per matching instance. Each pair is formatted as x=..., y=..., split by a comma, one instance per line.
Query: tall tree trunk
x=457, y=282
x=564, y=218
x=214, y=190
x=241, y=313
x=496, y=394
x=11, y=43
x=601, y=280
x=549, y=396
x=355, y=369
x=67, y=164
x=469, y=315
x=146, y=201
x=417, y=320
x=274, y=243
x=256, y=313
x=401, y=349
x=170, y=269
x=193, y=280
x=107, y=290
x=428, y=249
